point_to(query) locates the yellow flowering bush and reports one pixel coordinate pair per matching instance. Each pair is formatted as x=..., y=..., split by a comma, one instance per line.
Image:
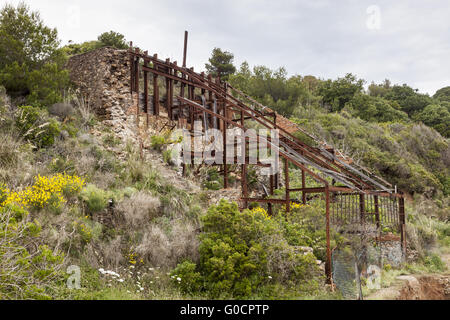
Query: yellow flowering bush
x=133, y=258
x=45, y=191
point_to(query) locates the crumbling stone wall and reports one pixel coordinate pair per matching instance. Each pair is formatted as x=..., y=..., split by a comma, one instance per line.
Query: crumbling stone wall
x=103, y=77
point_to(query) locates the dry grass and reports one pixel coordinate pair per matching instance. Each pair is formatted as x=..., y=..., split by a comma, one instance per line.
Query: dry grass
x=82, y=105
x=155, y=247
x=9, y=150
x=184, y=242
x=17, y=163
x=111, y=253
x=167, y=250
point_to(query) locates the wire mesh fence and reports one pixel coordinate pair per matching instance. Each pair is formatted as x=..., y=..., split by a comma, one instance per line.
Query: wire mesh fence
x=354, y=266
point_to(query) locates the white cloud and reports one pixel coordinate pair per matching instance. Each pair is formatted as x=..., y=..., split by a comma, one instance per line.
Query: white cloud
x=322, y=38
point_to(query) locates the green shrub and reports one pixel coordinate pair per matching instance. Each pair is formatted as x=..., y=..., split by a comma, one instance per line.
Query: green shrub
x=241, y=251
x=47, y=84
x=434, y=263
x=187, y=278
x=214, y=180
x=36, y=127
x=95, y=199
x=157, y=142
x=113, y=39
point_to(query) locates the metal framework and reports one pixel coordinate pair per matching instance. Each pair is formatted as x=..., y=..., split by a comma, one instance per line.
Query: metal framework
x=352, y=194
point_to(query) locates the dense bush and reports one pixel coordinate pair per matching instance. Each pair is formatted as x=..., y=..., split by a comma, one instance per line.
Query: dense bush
x=272, y=87
x=427, y=225
x=375, y=109
x=9, y=150
x=95, y=199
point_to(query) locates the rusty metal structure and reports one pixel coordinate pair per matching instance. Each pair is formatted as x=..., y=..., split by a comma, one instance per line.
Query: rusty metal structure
x=352, y=194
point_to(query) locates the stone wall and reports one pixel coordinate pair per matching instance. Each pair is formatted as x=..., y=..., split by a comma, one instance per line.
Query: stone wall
x=392, y=253
x=103, y=77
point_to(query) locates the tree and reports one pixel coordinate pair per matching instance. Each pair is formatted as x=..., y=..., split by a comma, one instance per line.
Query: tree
x=113, y=39
x=376, y=109
x=311, y=83
x=221, y=64
x=24, y=38
x=380, y=90
x=408, y=98
x=28, y=47
x=337, y=93
x=242, y=78
x=443, y=94
x=273, y=88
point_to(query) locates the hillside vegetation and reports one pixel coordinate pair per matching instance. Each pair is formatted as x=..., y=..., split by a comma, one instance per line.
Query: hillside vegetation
x=79, y=207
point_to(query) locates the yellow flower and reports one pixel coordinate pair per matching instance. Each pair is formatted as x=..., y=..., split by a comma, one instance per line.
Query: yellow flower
x=43, y=191
x=261, y=211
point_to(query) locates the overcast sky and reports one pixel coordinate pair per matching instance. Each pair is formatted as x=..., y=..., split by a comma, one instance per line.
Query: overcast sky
x=404, y=41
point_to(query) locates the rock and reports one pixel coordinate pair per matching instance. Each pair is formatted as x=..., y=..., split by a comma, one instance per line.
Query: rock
x=410, y=279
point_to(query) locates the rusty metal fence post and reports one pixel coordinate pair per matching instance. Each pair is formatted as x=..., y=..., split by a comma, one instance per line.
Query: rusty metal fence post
x=328, y=266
